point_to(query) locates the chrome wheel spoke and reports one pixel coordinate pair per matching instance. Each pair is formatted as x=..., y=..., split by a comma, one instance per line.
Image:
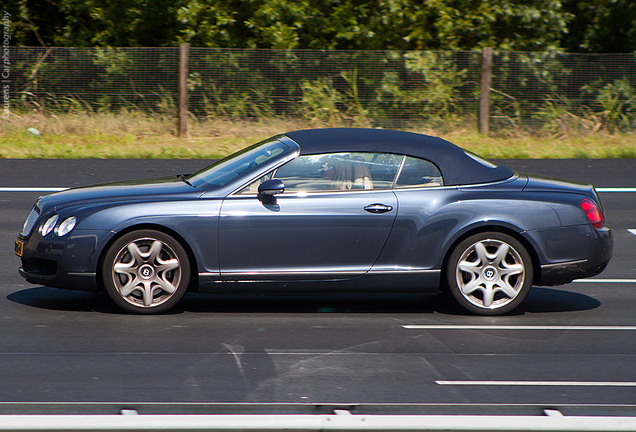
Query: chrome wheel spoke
x=135, y=253
x=130, y=287
x=147, y=293
x=164, y=266
x=482, y=254
x=166, y=285
x=153, y=255
x=488, y=295
x=500, y=255
x=472, y=286
x=511, y=270
x=469, y=267
x=507, y=289
x=128, y=269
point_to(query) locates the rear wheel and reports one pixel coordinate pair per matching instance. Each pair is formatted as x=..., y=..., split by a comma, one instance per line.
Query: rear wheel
x=146, y=272
x=489, y=273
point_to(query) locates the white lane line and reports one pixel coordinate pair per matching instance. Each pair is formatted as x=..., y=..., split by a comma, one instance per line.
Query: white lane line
x=513, y=327
x=615, y=189
x=30, y=189
x=632, y=231
x=542, y=383
x=604, y=281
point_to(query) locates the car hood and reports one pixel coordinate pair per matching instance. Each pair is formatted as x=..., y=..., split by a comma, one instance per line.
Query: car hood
x=147, y=189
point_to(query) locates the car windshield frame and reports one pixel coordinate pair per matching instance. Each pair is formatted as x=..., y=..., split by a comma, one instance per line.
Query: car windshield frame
x=238, y=164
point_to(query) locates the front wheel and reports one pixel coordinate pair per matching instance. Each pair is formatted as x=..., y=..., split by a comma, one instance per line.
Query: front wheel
x=146, y=272
x=489, y=273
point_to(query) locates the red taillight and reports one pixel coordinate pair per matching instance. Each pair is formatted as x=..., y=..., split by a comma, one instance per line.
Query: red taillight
x=592, y=212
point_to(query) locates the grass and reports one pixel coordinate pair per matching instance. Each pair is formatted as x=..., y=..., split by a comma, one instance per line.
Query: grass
x=135, y=135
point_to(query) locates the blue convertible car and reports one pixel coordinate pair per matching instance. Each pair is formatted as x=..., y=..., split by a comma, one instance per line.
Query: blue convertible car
x=325, y=210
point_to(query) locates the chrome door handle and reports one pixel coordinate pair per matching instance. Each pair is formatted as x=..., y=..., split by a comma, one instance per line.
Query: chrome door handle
x=378, y=208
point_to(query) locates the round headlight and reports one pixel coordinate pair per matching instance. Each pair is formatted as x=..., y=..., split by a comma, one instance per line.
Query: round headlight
x=48, y=225
x=66, y=226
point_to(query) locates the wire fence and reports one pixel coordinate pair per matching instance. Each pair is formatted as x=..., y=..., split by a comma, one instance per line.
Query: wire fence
x=380, y=88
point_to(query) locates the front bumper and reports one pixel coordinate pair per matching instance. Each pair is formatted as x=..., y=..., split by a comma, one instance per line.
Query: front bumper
x=69, y=262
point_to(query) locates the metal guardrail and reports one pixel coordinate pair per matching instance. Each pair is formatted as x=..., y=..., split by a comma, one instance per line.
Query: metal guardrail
x=298, y=423
x=177, y=408
x=89, y=417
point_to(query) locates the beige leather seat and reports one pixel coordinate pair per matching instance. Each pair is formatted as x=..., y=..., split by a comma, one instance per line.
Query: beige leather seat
x=343, y=174
x=361, y=174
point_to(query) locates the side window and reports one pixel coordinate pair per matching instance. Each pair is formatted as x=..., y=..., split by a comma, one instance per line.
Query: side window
x=419, y=173
x=383, y=167
x=339, y=171
x=252, y=188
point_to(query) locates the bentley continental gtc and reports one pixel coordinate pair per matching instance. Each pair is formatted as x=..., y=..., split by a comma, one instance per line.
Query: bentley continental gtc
x=322, y=211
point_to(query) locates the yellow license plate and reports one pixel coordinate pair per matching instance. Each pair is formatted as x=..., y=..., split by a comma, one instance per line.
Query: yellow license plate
x=19, y=246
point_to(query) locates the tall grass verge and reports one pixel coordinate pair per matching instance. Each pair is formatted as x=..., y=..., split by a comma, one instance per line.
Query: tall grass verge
x=133, y=134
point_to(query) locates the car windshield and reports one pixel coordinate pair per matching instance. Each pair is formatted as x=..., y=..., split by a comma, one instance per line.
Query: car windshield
x=222, y=172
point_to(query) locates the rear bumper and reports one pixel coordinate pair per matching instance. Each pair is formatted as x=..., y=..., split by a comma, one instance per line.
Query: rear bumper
x=578, y=257
x=562, y=273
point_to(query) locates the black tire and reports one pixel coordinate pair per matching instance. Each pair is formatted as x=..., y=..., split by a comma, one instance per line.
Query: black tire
x=489, y=273
x=146, y=272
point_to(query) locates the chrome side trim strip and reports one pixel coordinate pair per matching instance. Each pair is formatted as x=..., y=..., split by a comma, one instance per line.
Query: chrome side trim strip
x=375, y=271
x=403, y=270
x=82, y=274
x=294, y=272
x=563, y=264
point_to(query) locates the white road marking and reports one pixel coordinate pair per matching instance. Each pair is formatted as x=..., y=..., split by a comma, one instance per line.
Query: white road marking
x=604, y=280
x=515, y=327
x=542, y=383
x=632, y=231
x=615, y=189
x=31, y=189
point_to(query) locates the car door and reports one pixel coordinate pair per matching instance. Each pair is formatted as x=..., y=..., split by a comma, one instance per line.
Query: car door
x=331, y=222
x=422, y=224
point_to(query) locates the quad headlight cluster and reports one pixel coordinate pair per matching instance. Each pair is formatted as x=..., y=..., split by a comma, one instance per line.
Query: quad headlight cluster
x=62, y=229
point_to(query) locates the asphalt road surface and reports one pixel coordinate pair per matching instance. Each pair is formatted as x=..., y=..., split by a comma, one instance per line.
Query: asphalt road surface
x=569, y=344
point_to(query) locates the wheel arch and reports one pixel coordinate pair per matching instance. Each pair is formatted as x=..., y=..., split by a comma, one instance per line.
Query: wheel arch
x=503, y=229
x=194, y=272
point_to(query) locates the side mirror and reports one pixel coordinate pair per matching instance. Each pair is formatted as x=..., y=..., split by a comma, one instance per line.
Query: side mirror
x=271, y=187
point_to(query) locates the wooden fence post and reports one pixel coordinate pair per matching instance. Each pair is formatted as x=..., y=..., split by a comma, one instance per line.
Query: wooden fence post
x=182, y=109
x=484, y=99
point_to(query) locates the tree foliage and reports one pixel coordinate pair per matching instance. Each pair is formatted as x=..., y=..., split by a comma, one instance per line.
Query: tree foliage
x=601, y=26
x=519, y=25
x=88, y=23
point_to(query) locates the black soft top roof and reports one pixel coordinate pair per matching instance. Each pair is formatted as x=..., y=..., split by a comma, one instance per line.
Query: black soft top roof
x=456, y=166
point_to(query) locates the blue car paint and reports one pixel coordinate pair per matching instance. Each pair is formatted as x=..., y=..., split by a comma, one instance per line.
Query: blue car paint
x=299, y=243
